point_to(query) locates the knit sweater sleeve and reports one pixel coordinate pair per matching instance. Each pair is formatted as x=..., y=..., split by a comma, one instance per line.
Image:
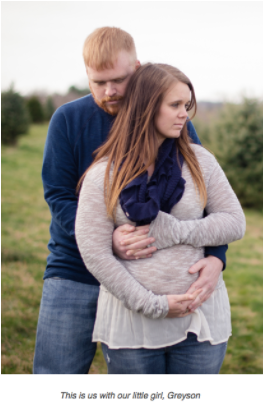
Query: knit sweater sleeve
x=224, y=224
x=59, y=174
x=96, y=250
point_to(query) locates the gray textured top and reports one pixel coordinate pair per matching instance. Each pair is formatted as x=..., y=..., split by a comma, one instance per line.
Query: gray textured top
x=133, y=292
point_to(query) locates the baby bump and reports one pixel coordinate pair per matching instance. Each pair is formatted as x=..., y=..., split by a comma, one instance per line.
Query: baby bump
x=167, y=271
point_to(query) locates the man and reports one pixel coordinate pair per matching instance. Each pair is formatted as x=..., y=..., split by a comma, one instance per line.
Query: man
x=70, y=292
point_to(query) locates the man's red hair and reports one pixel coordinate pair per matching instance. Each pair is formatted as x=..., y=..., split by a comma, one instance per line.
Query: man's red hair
x=102, y=46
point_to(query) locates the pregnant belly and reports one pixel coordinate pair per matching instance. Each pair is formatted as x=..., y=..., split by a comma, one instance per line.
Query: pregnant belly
x=166, y=272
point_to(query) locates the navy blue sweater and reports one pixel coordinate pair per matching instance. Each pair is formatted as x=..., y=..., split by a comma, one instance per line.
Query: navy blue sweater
x=75, y=131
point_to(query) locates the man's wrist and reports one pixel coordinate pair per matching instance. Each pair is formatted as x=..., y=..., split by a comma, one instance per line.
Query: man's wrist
x=217, y=260
x=218, y=252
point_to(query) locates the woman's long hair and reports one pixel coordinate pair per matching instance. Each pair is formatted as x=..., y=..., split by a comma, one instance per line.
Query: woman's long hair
x=132, y=143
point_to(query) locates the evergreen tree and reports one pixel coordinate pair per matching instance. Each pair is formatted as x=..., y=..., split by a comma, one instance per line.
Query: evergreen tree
x=80, y=91
x=14, y=116
x=239, y=139
x=35, y=109
x=49, y=109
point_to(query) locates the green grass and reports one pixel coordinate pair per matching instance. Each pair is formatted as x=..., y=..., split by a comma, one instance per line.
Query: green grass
x=244, y=281
x=25, y=233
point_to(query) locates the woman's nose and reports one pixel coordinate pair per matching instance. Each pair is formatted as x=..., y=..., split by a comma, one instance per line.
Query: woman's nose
x=183, y=113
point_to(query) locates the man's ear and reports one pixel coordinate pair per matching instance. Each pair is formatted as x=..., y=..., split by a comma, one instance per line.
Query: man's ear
x=87, y=70
x=88, y=76
x=137, y=64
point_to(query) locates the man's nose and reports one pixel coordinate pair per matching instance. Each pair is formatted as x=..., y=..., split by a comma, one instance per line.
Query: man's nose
x=110, y=90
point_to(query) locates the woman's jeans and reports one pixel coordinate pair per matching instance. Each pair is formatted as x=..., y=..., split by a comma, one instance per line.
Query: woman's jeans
x=65, y=325
x=186, y=357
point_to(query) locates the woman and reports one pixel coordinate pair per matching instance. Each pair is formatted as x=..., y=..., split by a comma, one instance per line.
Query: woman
x=149, y=172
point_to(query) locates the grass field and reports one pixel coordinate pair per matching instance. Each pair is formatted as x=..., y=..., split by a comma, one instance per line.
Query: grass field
x=25, y=233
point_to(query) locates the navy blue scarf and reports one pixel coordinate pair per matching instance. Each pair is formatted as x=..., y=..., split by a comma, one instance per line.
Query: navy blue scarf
x=141, y=201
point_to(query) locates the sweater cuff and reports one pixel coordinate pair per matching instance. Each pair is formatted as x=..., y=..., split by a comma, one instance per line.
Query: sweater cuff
x=219, y=252
x=156, y=307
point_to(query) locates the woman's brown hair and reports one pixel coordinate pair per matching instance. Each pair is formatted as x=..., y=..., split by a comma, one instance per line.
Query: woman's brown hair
x=132, y=143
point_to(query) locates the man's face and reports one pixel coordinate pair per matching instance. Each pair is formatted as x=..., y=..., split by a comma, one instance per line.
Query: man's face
x=108, y=86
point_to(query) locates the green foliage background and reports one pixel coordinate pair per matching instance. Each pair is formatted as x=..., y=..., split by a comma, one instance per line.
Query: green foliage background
x=235, y=136
x=49, y=108
x=35, y=109
x=14, y=117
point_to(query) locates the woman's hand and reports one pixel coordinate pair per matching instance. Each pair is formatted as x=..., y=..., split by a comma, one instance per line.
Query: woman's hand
x=178, y=304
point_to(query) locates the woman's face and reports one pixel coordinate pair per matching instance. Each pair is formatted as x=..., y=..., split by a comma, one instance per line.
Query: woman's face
x=172, y=115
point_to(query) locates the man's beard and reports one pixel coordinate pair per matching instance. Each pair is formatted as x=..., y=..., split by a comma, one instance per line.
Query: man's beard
x=111, y=109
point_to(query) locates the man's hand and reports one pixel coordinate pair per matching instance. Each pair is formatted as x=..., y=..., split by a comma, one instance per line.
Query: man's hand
x=130, y=242
x=179, y=304
x=209, y=269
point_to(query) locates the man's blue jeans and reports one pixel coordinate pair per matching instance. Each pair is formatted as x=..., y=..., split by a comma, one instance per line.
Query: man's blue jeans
x=65, y=325
x=186, y=357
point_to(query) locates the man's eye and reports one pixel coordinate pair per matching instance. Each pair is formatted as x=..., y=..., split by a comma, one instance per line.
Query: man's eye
x=119, y=81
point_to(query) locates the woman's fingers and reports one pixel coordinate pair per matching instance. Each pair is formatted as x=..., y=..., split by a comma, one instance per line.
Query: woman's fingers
x=179, y=304
x=196, y=293
x=187, y=297
x=197, y=301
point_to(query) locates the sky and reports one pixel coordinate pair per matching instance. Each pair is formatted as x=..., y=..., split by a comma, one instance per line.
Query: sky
x=217, y=44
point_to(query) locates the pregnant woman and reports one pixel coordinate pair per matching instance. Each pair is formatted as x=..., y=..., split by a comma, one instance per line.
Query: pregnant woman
x=149, y=172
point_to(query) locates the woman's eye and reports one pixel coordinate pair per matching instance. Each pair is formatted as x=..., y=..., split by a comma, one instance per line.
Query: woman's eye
x=175, y=105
